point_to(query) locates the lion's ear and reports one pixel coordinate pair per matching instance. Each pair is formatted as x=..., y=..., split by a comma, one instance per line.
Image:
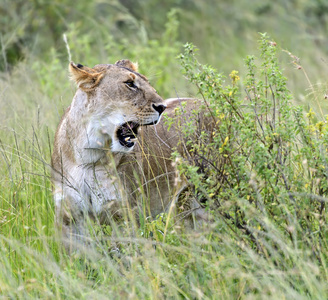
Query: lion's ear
x=85, y=78
x=127, y=64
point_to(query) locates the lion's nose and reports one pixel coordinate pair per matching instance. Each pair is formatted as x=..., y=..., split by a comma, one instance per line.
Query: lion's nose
x=159, y=108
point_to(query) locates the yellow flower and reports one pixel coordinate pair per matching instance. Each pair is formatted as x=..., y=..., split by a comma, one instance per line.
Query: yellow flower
x=320, y=125
x=234, y=77
x=225, y=141
x=310, y=114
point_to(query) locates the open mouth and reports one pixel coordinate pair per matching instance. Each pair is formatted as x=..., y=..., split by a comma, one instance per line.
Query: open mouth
x=127, y=134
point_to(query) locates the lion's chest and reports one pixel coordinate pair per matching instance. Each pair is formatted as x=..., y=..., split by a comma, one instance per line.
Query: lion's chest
x=95, y=185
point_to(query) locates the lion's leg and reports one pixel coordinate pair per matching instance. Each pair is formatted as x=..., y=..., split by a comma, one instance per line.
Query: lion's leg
x=70, y=222
x=123, y=221
x=109, y=197
x=117, y=211
x=192, y=213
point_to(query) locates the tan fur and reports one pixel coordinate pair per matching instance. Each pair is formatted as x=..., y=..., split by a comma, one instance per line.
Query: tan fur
x=93, y=174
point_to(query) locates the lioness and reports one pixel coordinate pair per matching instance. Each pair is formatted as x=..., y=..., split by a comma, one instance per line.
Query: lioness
x=106, y=154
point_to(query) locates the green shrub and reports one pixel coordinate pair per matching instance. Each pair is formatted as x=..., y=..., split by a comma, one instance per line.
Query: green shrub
x=263, y=168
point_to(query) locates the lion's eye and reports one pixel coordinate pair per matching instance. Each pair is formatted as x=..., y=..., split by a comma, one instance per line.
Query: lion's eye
x=130, y=84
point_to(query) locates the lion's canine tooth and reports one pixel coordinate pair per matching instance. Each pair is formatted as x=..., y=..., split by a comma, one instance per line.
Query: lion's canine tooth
x=127, y=139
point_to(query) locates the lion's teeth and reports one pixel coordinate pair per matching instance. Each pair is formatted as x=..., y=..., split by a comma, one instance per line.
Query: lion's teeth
x=128, y=139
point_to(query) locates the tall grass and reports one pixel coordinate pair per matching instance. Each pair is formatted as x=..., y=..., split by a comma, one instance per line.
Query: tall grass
x=285, y=256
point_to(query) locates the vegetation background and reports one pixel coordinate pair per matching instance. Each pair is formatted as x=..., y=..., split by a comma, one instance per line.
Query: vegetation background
x=221, y=263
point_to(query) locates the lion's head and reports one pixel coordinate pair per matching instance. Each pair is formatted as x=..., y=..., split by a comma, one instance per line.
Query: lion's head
x=116, y=100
